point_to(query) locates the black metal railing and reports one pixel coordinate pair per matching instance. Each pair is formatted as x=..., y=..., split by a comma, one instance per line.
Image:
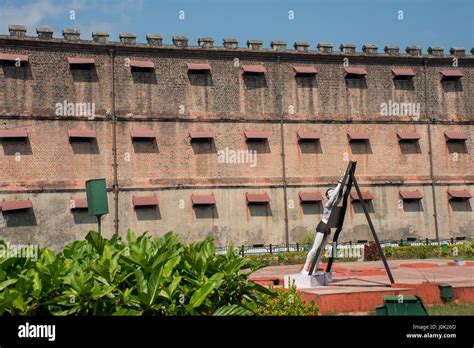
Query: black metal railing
x=260, y=249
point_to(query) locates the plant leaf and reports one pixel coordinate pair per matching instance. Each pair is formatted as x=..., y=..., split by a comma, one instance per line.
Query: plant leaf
x=7, y=283
x=199, y=296
x=127, y=312
x=232, y=310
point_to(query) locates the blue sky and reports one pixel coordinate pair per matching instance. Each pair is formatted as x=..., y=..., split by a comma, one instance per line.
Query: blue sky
x=426, y=23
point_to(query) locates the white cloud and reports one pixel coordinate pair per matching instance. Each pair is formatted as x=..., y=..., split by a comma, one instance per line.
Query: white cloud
x=45, y=12
x=30, y=15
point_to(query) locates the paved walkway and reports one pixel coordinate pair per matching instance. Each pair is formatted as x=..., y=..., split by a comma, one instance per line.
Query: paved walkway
x=361, y=286
x=372, y=274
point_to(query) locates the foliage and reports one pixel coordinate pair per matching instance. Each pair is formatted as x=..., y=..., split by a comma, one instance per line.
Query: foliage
x=139, y=276
x=454, y=251
x=289, y=258
x=286, y=258
x=287, y=303
x=307, y=238
x=371, y=252
x=452, y=308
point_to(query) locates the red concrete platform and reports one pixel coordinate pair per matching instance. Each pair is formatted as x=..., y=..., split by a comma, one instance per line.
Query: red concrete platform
x=420, y=265
x=361, y=286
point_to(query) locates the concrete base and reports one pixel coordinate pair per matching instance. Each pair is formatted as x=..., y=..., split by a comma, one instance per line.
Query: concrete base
x=360, y=286
x=302, y=281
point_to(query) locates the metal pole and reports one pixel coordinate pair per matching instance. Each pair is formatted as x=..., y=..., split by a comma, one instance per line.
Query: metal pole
x=372, y=229
x=98, y=223
x=430, y=152
x=115, y=187
x=283, y=164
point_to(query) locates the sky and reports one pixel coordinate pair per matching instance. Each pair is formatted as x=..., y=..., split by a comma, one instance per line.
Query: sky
x=446, y=23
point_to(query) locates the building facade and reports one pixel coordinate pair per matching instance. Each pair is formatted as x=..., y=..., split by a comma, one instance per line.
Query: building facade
x=235, y=143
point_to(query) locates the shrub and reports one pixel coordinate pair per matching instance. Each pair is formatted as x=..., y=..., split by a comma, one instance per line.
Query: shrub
x=139, y=276
x=307, y=238
x=289, y=258
x=371, y=252
x=262, y=260
x=287, y=303
x=454, y=251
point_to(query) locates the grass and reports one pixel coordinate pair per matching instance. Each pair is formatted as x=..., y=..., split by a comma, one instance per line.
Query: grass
x=452, y=308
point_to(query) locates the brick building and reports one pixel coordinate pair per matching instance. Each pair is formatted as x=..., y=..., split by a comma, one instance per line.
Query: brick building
x=160, y=116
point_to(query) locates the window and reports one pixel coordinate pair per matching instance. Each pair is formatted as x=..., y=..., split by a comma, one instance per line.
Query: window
x=142, y=65
x=147, y=201
x=142, y=134
x=310, y=197
x=358, y=73
x=253, y=69
x=81, y=63
x=403, y=73
x=366, y=196
x=358, y=136
x=447, y=75
x=253, y=198
x=10, y=59
x=14, y=134
x=203, y=199
x=198, y=68
x=203, y=136
x=78, y=203
x=459, y=194
x=305, y=71
x=15, y=205
x=82, y=134
x=308, y=136
x=256, y=135
x=410, y=195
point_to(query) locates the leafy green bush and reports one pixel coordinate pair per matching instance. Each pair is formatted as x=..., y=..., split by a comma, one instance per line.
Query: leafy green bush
x=286, y=258
x=454, y=251
x=294, y=257
x=287, y=303
x=262, y=260
x=307, y=238
x=139, y=276
x=289, y=258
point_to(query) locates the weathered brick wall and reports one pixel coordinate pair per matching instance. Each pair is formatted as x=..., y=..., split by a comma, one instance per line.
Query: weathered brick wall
x=230, y=221
x=172, y=102
x=331, y=96
x=450, y=100
x=456, y=218
x=173, y=159
x=49, y=159
x=51, y=222
x=453, y=161
x=35, y=88
x=171, y=91
x=383, y=158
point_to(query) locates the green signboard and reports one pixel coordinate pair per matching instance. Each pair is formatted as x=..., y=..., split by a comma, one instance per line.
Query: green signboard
x=96, y=190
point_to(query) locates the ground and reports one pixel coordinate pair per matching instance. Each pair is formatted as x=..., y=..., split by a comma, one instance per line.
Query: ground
x=361, y=286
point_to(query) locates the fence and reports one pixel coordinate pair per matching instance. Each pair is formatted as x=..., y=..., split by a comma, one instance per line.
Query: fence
x=345, y=250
